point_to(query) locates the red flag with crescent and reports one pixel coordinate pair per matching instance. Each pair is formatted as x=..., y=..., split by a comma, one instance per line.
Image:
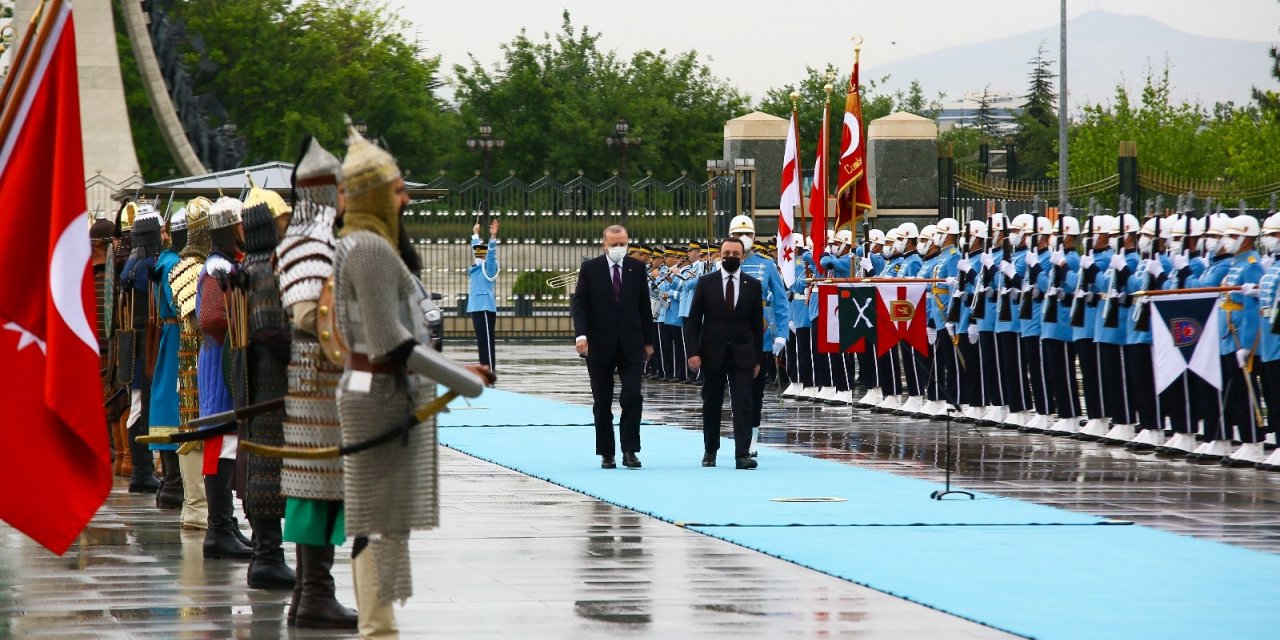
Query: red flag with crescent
x=852, y=193
x=57, y=470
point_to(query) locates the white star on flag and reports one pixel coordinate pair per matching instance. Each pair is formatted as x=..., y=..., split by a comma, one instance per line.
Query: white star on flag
x=26, y=338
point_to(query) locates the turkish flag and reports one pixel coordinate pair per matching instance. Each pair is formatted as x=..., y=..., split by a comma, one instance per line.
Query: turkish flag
x=57, y=468
x=900, y=316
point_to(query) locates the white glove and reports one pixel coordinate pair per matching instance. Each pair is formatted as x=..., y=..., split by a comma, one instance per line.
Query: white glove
x=987, y=260
x=866, y=265
x=791, y=324
x=1204, y=262
x=1117, y=262
x=964, y=266
x=1033, y=255
x=778, y=345
x=951, y=281
x=950, y=327
x=1180, y=262
x=1242, y=357
x=1007, y=269
x=1057, y=258
x=1267, y=261
x=932, y=334
x=1053, y=292
x=1086, y=261
x=1155, y=267
x=973, y=334
x=1249, y=289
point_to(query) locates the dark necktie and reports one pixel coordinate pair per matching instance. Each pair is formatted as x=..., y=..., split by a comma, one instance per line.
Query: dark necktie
x=728, y=295
x=617, y=283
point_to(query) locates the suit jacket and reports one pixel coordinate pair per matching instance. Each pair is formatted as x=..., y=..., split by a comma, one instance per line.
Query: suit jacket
x=715, y=334
x=609, y=325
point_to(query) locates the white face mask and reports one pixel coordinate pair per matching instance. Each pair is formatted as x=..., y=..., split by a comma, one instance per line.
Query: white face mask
x=479, y=261
x=924, y=246
x=1212, y=243
x=1175, y=245
x=899, y=246
x=1144, y=243
x=616, y=254
x=747, y=239
x=1270, y=244
x=1015, y=239
x=1113, y=244
x=1231, y=245
x=886, y=250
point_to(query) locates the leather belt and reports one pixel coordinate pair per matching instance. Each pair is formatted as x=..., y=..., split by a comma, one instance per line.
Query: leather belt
x=169, y=320
x=360, y=362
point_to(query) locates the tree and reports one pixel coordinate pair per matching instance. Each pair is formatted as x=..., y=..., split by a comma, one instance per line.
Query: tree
x=554, y=101
x=1037, y=136
x=984, y=120
x=1269, y=100
x=250, y=55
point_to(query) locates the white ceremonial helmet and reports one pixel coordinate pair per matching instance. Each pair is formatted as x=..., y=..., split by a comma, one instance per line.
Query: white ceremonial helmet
x=893, y=236
x=1217, y=225
x=1271, y=224
x=1103, y=223
x=1128, y=223
x=947, y=226
x=1214, y=217
x=1197, y=227
x=1070, y=226
x=995, y=222
x=876, y=236
x=908, y=231
x=1149, y=227
x=742, y=224
x=927, y=234
x=1177, y=225
x=1044, y=226
x=1022, y=222
x=978, y=229
x=844, y=236
x=1243, y=225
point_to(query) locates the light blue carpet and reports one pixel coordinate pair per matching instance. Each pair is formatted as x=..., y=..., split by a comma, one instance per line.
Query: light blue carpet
x=1029, y=569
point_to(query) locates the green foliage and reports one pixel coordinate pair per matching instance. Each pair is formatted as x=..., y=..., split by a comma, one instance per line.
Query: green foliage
x=1269, y=100
x=535, y=283
x=554, y=101
x=984, y=119
x=1037, y=137
x=154, y=159
x=286, y=69
x=1230, y=143
x=875, y=104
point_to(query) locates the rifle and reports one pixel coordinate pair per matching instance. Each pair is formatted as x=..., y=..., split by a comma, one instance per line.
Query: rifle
x=1032, y=271
x=978, y=311
x=1004, y=301
x=1087, y=276
x=1111, y=309
x=1059, y=271
x=1142, y=312
x=957, y=296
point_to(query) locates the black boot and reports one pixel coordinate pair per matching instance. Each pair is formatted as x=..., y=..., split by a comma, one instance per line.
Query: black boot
x=220, y=541
x=268, y=569
x=299, y=561
x=317, y=608
x=235, y=529
x=170, y=494
x=143, y=478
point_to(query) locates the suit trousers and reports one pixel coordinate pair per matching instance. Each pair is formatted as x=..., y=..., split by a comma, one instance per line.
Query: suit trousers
x=484, y=322
x=740, y=396
x=631, y=400
x=1060, y=377
x=767, y=367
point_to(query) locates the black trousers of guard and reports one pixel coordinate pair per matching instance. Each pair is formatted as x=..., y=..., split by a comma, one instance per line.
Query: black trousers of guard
x=1091, y=376
x=1177, y=406
x=889, y=372
x=867, y=378
x=1142, y=386
x=1033, y=368
x=913, y=374
x=1115, y=381
x=1013, y=378
x=1060, y=377
x=767, y=366
x=970, y=372
x=804, y=356
x=484, y=323
x=1238, y=413
x=656, y=365
x=841, y=371
x=946, y=369
x=993, y=393
x=740, y=384
x=820, y=361
x=679, y=362
x=1269, y=381
x=630, y=399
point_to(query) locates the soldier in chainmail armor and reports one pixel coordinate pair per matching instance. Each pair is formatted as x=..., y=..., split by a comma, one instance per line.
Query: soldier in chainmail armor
x=136, y=352
x=183, y=283
x=313, y=488
x=265, y=212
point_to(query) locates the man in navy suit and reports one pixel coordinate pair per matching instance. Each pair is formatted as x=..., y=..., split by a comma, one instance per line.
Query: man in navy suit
x=613, y=322
x=726, y=329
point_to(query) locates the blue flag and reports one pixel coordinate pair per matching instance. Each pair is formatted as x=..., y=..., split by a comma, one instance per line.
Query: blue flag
x=1178, y=322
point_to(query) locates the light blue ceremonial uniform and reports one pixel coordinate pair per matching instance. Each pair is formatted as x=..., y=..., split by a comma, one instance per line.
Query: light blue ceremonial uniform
x=799, y=306
x=1143, y=281
x=840, y=267
x=1119, y=333
x=988, y=322
x=1091, y=311
x=1035, y=271
x=481, y=277
x=1060, y=330
x=1019, y=261
x=772, y=288
x=941, y=267
x=877, y=261
x=1269, y=343
x=1238, y=314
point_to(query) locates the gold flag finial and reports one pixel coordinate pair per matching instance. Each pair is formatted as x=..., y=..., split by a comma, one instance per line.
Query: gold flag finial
x=795, y=98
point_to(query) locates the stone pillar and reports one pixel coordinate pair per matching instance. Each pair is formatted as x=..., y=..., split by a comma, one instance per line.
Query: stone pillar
x=762, y=137
x=902, y=164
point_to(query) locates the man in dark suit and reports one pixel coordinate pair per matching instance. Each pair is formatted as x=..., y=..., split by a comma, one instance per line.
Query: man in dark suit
x=613, y=323
x=726, y=329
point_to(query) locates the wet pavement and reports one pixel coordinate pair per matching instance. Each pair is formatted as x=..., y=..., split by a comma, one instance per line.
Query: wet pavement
x=519, y=557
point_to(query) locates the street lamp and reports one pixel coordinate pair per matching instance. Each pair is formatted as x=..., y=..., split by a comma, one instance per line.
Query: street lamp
x=621, y=141
x=485, y=145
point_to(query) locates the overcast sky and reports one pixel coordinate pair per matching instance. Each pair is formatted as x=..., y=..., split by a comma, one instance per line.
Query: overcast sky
x=759, y=44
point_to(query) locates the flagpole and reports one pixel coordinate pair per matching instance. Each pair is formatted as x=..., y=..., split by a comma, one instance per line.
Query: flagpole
x=825, y=141
x=23, y=65
x=1170, y=292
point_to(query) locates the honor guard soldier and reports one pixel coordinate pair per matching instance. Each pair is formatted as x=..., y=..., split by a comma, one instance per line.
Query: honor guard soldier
x=985, y=293
x=1032, y=291
x=777, y=315
x=944, y=387
x=973, y=392
x=1238, y=319
x=1153, y=268
x=1011, y=271
x=136, y=359
x=838, y=263
x=482, y=304
x=1269, y=331
x=1056, y=343
x=799, y=355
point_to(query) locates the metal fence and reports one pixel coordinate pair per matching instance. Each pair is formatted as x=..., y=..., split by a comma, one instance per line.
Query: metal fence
x=99, y=191
x=548, y=227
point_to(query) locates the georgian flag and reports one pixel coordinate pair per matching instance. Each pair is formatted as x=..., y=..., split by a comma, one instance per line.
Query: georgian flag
x=1178, y=322
x=787, y=205
x=901, y=316
x=57, y=467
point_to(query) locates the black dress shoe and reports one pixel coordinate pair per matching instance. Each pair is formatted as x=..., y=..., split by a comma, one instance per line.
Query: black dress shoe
x=746, y=462
x=606, y=462
x=629, y=460
x=709, y=459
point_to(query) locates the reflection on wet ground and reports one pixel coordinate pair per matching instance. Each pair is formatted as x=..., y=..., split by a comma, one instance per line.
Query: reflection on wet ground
x=1238, y=506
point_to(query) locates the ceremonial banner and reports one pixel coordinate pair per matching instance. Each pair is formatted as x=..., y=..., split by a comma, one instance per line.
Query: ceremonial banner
x=852, y=194
x=900, y=316
x=788, y=204
x=846, y=317
x=1178, y=322
x=818, y=197
x=57, y=468
x=828, y=325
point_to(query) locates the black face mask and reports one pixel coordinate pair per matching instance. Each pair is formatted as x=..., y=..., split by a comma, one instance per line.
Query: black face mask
x=731, y=263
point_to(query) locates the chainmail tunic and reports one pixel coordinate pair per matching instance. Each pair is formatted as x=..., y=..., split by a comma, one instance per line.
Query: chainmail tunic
x=391, y=489
x=268, y=358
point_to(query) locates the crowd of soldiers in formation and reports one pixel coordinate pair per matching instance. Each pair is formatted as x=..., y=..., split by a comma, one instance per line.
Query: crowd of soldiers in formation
x=1034, y=324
